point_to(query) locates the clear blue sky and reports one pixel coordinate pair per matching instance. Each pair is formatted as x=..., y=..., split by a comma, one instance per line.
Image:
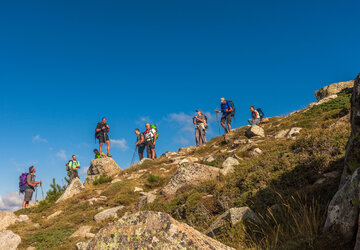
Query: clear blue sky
x=65, y=64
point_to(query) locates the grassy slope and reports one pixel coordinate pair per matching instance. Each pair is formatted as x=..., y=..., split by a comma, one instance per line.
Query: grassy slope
x=287, y=168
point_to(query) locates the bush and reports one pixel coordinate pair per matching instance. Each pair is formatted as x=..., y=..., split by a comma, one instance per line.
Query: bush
x=154, y=181
x=102, y=179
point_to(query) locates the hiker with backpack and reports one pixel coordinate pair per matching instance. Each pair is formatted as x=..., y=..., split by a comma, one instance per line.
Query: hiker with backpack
x=140, y=143
x=72, y=168
x=228, y=111
x=98, y=155
x=28, y=185
x=200, y=121
x=256, y=115
x=151, y=134
x=101, y=133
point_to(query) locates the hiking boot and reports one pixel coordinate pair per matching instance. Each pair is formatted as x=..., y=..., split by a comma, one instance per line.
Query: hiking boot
x=109, y=155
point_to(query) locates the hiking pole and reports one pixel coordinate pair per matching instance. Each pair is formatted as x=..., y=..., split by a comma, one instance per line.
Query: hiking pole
x=42, y=191
x=133, y=158
x=36, y=189
x=218, y=123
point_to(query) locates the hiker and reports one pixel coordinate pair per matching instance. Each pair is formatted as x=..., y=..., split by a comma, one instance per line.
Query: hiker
x=255, y=116
x=98, y=155
x=200, y=128
x=150, y=141
x=226, y=110
x=31, y=184
x=101, y=133
x=140, y=143
x=72, y=167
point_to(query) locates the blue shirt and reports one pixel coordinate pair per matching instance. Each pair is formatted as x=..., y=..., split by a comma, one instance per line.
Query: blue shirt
x=225, y=107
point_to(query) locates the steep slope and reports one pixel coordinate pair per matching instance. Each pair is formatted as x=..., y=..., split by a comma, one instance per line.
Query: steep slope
x=287, y=178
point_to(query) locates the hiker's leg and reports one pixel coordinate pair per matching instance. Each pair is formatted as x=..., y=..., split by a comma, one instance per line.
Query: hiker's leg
x=24, y=204
x=153, y=153
x=229, y=125
x=148, y=151
x=202, y=134
x=100, y=147
x=108, y=146
x=197, y=136
x=250, y=121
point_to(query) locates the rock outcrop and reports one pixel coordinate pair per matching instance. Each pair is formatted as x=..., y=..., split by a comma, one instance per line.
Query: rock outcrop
x=189, y=174
x=228, y=166
x=333, y=89
x=152, y=230
x=255, y=152
x=293, y=132
x=74, y=188
x=9, y=240
x=81, y=232
x=7, y=219
x=255, y=131
x=146, y=198
x=103, y=166
x=233, y=216
x=107, y=214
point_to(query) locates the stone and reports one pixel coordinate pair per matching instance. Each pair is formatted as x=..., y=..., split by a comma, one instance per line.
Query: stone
x=107, y=214
x=22, y=218
x=94, y=199
x=183, y=151
x=255, y=131
x=265, y=120
x=170, y=154
x=144, y=160
x=281, y=134
x=74, y=188
x=9, y=240
x=146, y=198
x=90, y=179
x=343, y=120
x=189, y=159
x=333, y=89
x=137, y=189
x=293, y=132
x=189, y=174
x=343, y=212
x=89, y=235
x=7, y=219
x=333, y=174
x=81, y=232
x=152, y=230
x=320, y=181
x=255, y=152
x=54, y=214
x=326, y=99
x=232, y=216
x=81, y=245
x=36, y=225
x=31, y=248
x=208, y=158
x=228, y=166
x=115, y=180
x=103, y=166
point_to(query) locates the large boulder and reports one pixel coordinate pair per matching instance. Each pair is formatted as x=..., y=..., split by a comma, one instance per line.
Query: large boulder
x=255, y=131
x=293, y=132
x=107, y=214
x=232, y=216
x=343, y=210
x=151, y=230
x=228, y=166
x=189, y=174
x=105, y=166
x=74, y=188
x=7, y=219
x=333, y=89
x=326, y=99
x=81, y=232
x=9, y=240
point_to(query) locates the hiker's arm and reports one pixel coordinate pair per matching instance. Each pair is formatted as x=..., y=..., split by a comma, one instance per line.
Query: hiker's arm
x=142, y=139
x=98, y=129
x=154, y=138
x=217, y=111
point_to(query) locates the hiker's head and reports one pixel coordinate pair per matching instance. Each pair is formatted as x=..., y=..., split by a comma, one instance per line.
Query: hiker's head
x=32, y=170
x=147, y=125
x=222, y=100
x=198, y=112
x=137, y=131
x=103, y=120
x=96, y=151
x=252, y=108
x=74, y=157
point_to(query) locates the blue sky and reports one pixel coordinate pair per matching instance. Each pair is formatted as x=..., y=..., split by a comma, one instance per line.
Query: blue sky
x=65, y=64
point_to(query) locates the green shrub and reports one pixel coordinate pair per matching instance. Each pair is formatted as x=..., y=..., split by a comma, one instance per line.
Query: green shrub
x=154, y=181
x=102, y=179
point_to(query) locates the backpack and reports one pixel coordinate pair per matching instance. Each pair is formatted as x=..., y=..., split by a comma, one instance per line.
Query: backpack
x=98, y=134
x=23, y=183
x=206, y=120
x=153, y=126
x=261, y=113
x=232, y=106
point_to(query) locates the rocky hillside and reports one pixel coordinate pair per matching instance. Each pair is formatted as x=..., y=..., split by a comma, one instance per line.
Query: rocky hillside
x=266, y=186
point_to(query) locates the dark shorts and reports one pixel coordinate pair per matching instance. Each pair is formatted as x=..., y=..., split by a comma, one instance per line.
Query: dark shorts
x=150, y=144
x=103, y=139
x=226, y=118
x=141, y=148
x=28, y=195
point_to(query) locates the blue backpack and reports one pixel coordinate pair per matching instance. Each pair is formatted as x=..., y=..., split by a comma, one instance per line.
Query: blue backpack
x=23, y=183
x=261, y=113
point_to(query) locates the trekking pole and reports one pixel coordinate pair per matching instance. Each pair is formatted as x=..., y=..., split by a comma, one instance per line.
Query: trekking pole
x=133, y=158
x=42, y=191
x=36, y=189
x=217, y=121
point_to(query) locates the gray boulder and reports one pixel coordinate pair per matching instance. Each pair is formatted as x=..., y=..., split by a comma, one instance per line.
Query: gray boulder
x=333, y=89
x=255, y=131
x=7, y=219
x=208, y=158
x=343, y=211
x=22, y=218
x=81, y=232
x=255, y=152
x=189, y=174
x=281, y=134
x=106, y=166
x=293, y=132
x=228, y=166
x=232, y=216
x=54, y=214
x=81, y=245
x=146, y=198
x=107, y=214
x=152, y=230
x=9, y=240
x=73, y=189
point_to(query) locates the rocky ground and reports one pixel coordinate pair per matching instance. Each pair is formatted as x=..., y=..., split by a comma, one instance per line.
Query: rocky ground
x=265, y=186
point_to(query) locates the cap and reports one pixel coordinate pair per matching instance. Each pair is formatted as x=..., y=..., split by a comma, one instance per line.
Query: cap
x=197, y=110
x=222, y=99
